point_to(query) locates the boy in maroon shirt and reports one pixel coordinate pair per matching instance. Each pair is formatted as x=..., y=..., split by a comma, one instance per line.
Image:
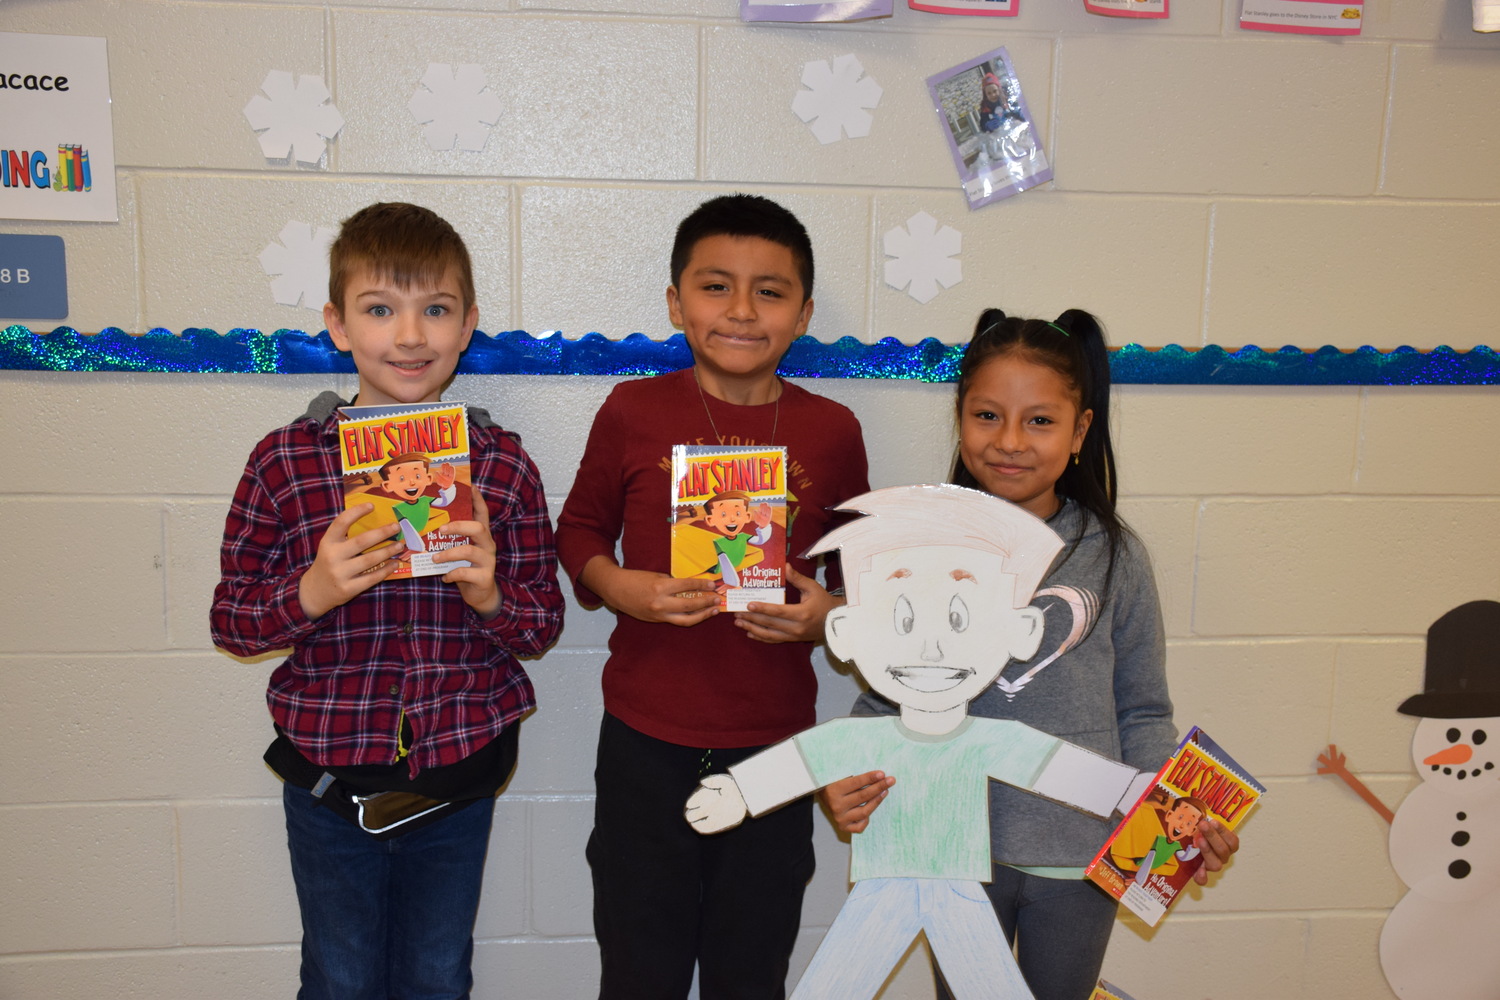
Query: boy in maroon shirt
x=689, y=691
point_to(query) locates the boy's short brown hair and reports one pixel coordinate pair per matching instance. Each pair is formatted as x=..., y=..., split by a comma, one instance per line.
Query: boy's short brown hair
x=407, y=244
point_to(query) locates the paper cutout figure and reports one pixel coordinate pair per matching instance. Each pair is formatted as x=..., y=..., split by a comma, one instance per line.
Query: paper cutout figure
x=938, y=581
x=923, y=257
x=457, y=107
x=1439, y=941
x=299, y=264
x=294, y=119
x=836, y=98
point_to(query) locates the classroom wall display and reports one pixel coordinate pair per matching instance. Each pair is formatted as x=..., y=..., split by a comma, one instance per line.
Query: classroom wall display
x=836, y=99
x=59, y=156
x=1438, y=941
x=1128, y=8
x=516, y=352
x=971, y=8
x=294, y=119
x=923, y=257
x=1303, y=17
x=456, y=105
x=991, y=137
x=298, y=265
x=1486, y=15
x=827, y=10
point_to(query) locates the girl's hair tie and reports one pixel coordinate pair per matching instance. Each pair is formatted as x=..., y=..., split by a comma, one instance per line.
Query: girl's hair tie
x=1059, y=329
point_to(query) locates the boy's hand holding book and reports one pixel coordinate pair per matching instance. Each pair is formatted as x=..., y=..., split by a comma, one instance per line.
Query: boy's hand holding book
x=651, y=597
x=800, y=622
x=476, y=581
x=342, y=569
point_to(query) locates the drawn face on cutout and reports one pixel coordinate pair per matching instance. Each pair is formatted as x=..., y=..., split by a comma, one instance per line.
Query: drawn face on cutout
x=407, y=480
x=933, y=626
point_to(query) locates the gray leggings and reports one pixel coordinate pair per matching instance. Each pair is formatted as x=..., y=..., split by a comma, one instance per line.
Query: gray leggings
x=1063, y=926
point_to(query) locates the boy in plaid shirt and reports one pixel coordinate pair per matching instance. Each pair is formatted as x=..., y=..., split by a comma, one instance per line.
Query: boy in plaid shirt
x=410, y=688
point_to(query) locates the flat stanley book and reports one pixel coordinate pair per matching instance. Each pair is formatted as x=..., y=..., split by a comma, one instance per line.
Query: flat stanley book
x=412, y=462
x=1150, y=857
x=729, y=521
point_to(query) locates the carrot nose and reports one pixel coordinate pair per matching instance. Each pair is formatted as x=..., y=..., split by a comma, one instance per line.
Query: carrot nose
x=1459, y=753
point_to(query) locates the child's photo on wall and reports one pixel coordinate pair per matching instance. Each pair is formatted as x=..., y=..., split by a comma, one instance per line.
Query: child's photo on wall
x=990, y=133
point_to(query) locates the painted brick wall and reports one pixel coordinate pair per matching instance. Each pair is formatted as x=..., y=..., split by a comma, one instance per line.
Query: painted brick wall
x=1214, y=186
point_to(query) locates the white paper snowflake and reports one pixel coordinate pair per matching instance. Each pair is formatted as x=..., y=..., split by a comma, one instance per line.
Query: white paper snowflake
x=458, y=107
x=293, y=119
x=299, y=263
x=923, y=257
x=836, y=99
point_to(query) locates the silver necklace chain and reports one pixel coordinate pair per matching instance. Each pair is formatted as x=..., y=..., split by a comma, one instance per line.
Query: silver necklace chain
x=775, y=418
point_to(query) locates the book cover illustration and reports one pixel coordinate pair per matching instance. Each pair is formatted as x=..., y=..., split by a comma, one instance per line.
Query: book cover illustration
x=1108, y=991
x=1150, y=858
x=729, y=521
x=412, y=462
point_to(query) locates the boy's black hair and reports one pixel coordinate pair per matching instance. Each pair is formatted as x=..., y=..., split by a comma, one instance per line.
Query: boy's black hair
x=744, y=215
x=407, y=244
x=1073, y=346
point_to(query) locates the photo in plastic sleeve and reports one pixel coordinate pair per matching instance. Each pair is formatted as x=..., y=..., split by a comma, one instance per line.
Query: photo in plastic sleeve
x=970, y=8
x=993, y=141
x=831, y=10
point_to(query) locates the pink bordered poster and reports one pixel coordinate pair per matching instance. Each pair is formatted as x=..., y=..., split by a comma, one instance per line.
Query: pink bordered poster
x=978, y=8
x=1303, y=17
x=1127, y=8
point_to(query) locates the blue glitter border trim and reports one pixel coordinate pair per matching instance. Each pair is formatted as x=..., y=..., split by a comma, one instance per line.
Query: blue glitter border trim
x=518, y=353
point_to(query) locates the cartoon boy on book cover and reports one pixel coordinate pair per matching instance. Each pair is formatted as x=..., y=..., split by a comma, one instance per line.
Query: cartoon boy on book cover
x=1159, y=838
x=939, y=581
x=725, y=547
x=412, y=493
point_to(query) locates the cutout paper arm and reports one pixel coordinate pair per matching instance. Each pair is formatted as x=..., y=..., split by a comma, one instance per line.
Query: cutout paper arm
x=780, y=774
x=773, y=777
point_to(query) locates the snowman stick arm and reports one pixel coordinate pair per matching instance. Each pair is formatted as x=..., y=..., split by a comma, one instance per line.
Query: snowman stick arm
x=1332, y=762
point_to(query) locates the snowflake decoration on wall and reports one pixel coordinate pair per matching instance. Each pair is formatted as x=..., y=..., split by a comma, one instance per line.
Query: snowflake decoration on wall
x=836, y=99
x=299, y=263
x=293, y=119
x=923, y=257
x=456, y=107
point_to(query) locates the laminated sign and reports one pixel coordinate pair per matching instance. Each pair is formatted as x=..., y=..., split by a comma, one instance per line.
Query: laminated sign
x=1303, y=17
x=57, y=153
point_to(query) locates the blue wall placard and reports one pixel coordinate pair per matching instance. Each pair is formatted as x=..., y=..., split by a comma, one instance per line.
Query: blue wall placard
x=33, y=277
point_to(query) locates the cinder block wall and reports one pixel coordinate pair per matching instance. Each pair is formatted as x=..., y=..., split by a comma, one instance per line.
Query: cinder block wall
x=1214, y=186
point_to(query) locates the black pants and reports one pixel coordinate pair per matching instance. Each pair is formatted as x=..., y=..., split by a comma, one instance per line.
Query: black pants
x=666, y=896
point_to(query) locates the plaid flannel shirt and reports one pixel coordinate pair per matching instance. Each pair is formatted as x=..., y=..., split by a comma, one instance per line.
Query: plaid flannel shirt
x=408, y=647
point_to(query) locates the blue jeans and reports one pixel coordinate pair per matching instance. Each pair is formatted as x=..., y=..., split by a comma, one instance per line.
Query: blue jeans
x=386, y=919
x=1063, y=926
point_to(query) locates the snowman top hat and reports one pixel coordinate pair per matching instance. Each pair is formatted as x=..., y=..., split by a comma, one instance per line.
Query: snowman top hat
x=1463, y=665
